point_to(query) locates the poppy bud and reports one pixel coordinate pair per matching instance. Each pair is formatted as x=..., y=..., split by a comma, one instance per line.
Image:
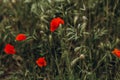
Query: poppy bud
x=43, y=27
x=74, y=61
x=41, y=32
x=82, y=56
x=50, y=38
x=75, y=19
x=14, y=1
x=84, y=18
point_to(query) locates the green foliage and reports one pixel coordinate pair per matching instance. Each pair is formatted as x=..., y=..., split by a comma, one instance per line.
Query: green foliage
x=91, y=29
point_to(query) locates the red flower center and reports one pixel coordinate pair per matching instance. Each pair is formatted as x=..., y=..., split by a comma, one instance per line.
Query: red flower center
x=9, y=49
x=54, y=24
x=21, y=37
x=41, y=62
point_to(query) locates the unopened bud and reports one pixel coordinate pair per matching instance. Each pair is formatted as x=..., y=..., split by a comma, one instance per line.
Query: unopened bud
x=82, y=56
x=50, y=38
x=74, y=61
x=42, y=27
x=75, y=19
x=14, y=1
x=41, y=32
x=84, y=18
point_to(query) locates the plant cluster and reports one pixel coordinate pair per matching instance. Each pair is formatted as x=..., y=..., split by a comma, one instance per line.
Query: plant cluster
x=59, y=40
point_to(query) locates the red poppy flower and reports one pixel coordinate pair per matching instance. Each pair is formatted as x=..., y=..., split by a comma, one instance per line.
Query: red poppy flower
x=21, y=37
x=116, y=52
x=9, y=49
x=41, y=62
x=54, y=24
